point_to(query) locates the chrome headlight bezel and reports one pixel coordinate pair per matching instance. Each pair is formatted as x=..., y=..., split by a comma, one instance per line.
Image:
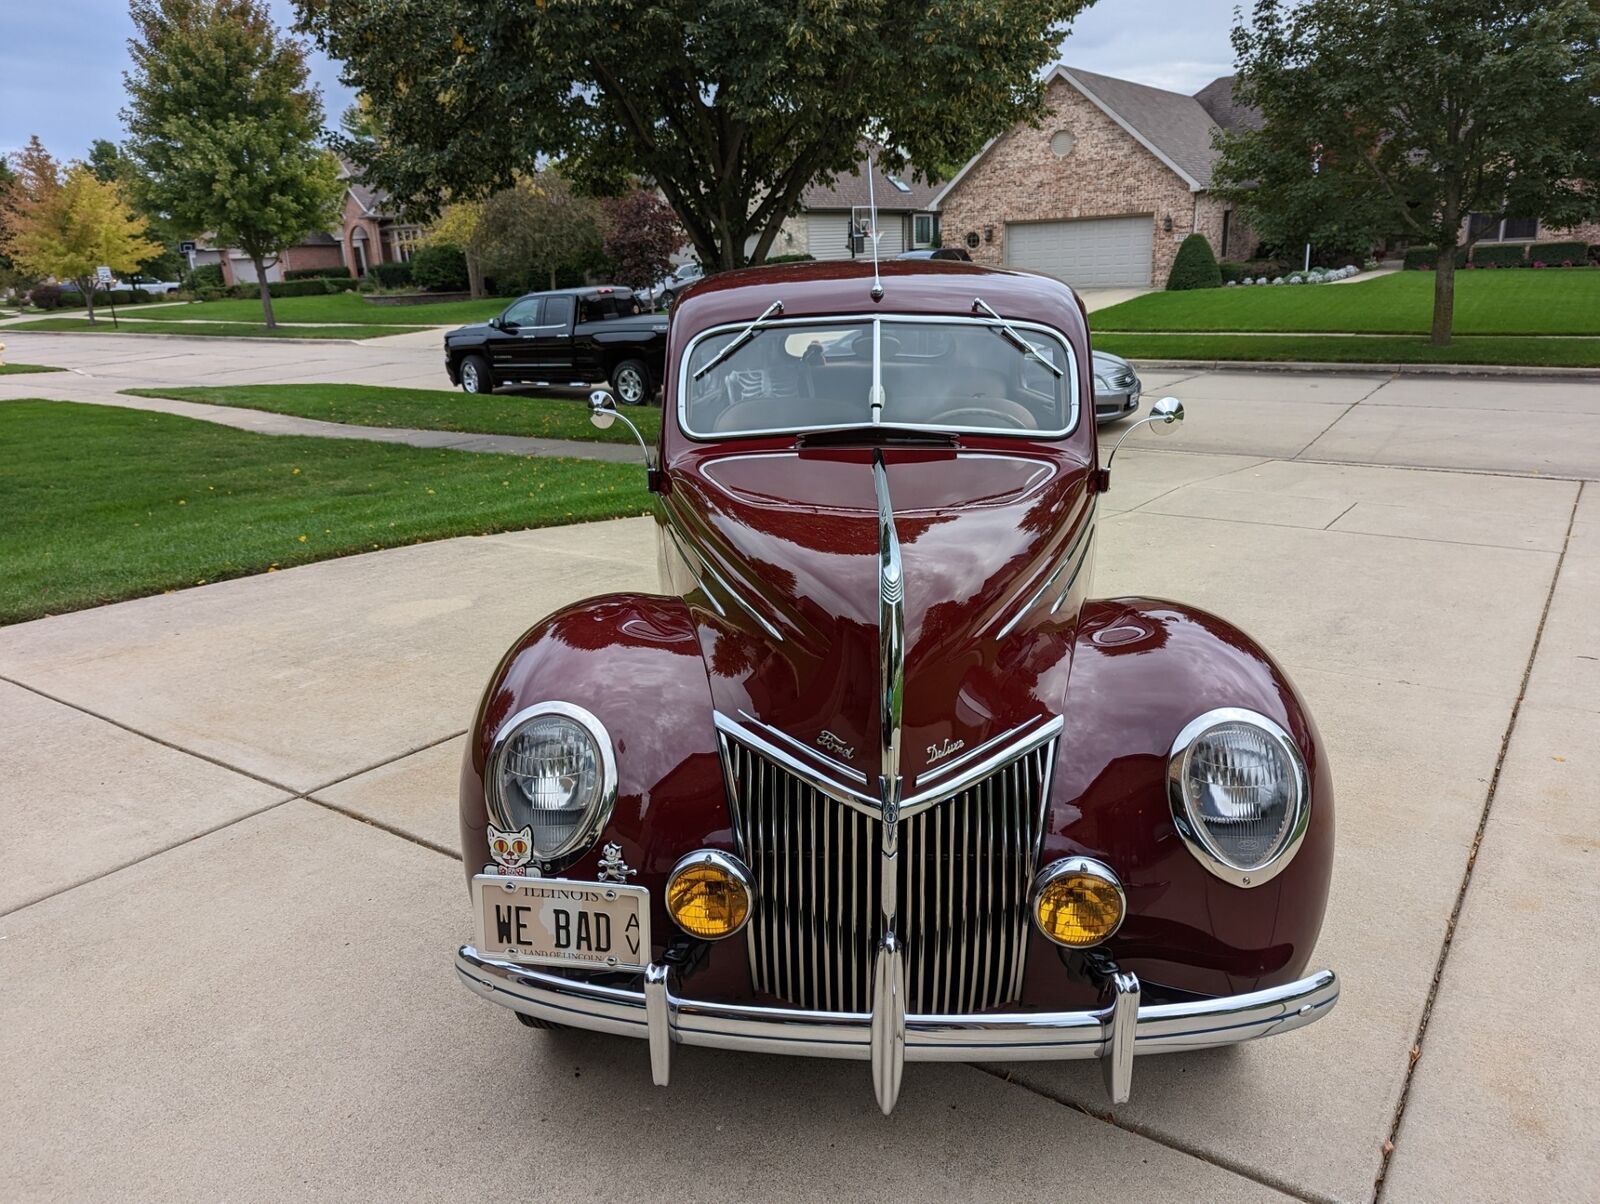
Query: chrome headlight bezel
x=1194, y=832
x=588, y=830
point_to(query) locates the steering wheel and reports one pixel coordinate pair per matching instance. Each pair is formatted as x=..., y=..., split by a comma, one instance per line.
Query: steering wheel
x=986, y=416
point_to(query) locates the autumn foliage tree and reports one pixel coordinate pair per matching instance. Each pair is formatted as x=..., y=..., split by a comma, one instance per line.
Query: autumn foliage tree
x=642, y=233
x=226, y=129
x=730, y=107
x=69, y=226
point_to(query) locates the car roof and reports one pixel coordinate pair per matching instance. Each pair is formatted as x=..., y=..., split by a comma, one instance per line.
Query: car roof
x=926, y=286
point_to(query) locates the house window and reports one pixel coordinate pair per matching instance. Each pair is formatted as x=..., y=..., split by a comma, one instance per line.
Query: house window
x=1062, y=143
x=923, y=233
x=1490, y=227
x=897, y=182
x=1227, y=223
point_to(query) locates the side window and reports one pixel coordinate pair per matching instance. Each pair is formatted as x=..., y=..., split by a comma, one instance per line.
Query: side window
x=558, y=311
x=523, y=313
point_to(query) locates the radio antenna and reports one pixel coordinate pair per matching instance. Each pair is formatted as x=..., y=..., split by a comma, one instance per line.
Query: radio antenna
x=872, y=208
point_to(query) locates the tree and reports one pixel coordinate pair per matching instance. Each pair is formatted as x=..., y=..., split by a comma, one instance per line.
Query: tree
x=537, y=228
x=224, y=127
x=111, y=165
x=1414, y=114
x=458, y=227
x=730, y=107
x=641, y=235
x=69, y=228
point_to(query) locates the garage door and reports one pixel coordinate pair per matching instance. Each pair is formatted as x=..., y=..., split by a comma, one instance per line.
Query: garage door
x=1102, y=252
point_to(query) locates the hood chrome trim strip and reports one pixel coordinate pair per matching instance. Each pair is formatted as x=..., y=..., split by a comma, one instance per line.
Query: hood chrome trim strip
x=891, y=636
x=1033, y=599
x=845, y=771
x=685, y=540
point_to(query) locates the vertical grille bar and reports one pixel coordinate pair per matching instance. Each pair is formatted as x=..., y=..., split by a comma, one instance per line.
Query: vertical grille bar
x=966, y=867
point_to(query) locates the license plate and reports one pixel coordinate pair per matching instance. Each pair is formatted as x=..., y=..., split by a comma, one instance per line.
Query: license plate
x=549, y=921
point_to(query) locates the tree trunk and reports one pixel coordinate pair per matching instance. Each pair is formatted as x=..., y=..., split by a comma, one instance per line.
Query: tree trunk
x=552, y=280
x=474, y=276
x=1444, y=295
x=87, y=289
x=266, y=292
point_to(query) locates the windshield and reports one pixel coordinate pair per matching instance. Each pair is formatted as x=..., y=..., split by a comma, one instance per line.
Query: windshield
x=964, y=375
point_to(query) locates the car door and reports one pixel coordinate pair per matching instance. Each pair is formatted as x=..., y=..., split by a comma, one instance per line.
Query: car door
x=550, y=343
x=511, y=343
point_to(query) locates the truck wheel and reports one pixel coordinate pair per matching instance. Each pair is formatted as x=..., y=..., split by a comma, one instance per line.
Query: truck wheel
x=631, y=382
x=475, y=376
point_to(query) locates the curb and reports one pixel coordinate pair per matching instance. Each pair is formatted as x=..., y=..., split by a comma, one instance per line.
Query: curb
x=209, y=338
x=1341, y=369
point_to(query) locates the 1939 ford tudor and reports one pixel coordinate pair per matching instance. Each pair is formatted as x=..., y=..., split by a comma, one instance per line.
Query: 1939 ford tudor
x=875, y=777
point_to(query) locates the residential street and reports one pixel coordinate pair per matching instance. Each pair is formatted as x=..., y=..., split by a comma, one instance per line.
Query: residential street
x=229, y=887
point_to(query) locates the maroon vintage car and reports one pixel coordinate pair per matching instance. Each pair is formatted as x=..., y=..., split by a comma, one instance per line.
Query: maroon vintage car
x=875, y=777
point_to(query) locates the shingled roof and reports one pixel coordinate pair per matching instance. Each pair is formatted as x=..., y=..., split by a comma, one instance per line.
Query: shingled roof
x=847, y=191
x=1175, y=128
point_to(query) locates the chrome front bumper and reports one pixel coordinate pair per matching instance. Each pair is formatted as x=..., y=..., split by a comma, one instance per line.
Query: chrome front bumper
x=1114, y=1033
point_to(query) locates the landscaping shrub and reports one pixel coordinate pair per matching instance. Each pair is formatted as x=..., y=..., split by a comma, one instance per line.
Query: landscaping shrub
x=789, y=258
x=338, y=273
x=1194, y=266
x=1423, y=258
x=1559, y=252
x=340, y=284
x=441, y=268
x=391, y=275
x=1497, y=255
x=207, y=275
x=46, y=296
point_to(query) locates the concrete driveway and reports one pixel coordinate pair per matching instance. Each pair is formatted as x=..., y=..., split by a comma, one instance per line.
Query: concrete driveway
x=230, y=892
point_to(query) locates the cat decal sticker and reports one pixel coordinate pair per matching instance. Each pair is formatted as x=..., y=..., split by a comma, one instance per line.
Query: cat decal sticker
x=511, y=851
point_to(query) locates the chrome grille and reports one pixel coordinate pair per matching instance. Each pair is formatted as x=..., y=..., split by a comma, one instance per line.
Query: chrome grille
x=966, y=867
x=1121, y=378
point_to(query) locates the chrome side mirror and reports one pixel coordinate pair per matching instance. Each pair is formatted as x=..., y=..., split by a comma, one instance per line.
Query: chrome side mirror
x=602, y=410
x=1164, y=417
x=603, y=413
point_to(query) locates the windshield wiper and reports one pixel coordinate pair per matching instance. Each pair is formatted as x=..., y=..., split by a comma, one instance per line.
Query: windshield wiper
x=1010, y=332
x=875, y=433
x=740, y=339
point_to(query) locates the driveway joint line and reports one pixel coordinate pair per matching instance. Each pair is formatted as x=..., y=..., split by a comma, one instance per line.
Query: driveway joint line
x=399, y=756
x=1471, y=472
x=1351, y=507
x=1251, y=522
x=1343, y=414
x=154, y=739
x=392, y=830
x=1161, y=1139
x=151, y=855
x=1417, y=1051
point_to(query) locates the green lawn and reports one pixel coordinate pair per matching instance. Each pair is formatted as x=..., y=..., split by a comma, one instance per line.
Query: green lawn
x=1563, y=301
x=1337, y=349
x=423, y=409
x=99, y=503
x=346, y=309
x=17, y=369
x=221, y=330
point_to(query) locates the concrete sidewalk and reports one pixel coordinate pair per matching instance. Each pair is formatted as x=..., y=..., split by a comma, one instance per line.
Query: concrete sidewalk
x=227, y=839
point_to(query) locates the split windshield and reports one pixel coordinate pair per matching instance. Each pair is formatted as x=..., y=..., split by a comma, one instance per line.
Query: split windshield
x=943, y=376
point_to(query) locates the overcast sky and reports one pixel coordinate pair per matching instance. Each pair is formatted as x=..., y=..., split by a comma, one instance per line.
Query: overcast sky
x=61, y=61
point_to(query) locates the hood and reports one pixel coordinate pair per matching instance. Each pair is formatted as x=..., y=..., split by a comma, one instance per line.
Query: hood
x=476, y=329
x=787, y=545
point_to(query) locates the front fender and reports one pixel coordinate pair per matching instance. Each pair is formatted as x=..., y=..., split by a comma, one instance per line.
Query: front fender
x=1142, y=669
x=633, y=660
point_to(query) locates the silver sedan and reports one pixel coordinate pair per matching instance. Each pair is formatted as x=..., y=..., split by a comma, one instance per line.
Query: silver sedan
x=1116, y=388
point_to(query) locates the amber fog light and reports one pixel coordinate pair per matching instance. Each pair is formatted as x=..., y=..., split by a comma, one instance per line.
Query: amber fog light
x=1078, y=902
x=710, y=894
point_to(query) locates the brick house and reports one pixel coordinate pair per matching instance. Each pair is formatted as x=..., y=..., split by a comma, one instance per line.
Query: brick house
x=368, y=233
x=1102, y=192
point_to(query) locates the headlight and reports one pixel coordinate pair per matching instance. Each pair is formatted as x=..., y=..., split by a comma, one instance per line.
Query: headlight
x=1239, y=794
x=710, y=894
x=552, y=769
x=1101, y=385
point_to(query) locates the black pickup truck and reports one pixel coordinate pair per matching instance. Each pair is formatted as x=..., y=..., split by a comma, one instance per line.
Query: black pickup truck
x=571, y=336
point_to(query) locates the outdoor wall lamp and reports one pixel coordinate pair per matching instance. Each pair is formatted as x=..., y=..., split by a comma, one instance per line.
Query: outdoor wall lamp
x=1166, y=223
x=988, y=234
